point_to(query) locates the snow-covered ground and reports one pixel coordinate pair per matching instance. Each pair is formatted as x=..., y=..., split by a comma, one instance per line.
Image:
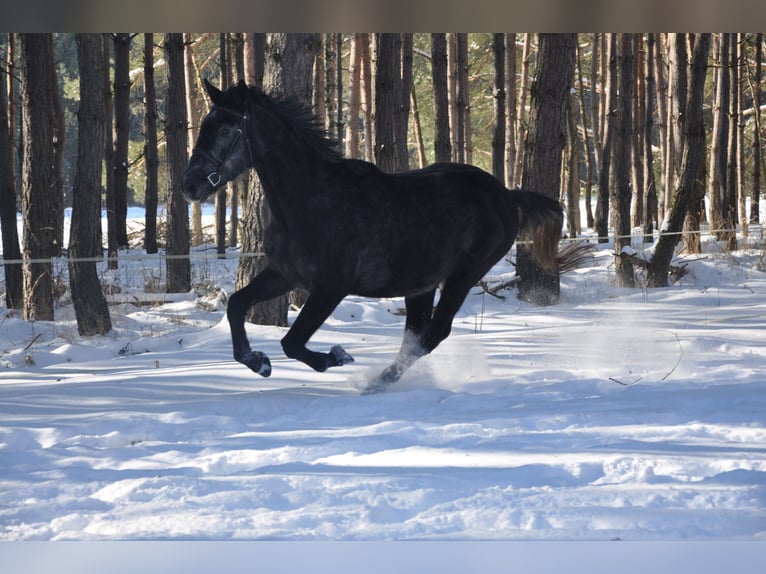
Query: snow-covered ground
x=618, y=414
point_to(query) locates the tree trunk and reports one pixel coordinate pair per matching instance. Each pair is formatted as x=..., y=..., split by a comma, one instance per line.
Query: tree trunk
x=121, y=133
x=693, y=153
x=498, y=94
x=442, y=148
x=637, y=133
x=91, y=309
x=621, y=192
x=601, y=218
x=193, y=111
x=111, y=211
x=543, y=149
x=354, y=97
x=452, y=91
x=692, y=242
x=177, y=247
x=521, y=116
x=331, y=103
x=403, y=95
x=221, y=194
x=662, y=124
x=289, y=62
x=367, y=101
x=573, y=168
x=388, y=86
x=59, y=139
x=463, y=137
x=596, y=97
x=650, y=198
x=718, y=145
x=256, y=213
x=510, y=110
x=240, y=184
x=755, y=191
x=37, y=202
x=339, y=87
x=733, y=173
x=151, y=155
x=418, y=129
x=10, y=236
x=587, y=141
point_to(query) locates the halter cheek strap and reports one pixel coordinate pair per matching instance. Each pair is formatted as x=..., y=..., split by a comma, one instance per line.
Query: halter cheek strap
x=214, y=177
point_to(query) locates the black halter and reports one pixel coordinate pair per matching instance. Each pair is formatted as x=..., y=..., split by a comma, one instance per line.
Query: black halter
x=214, y=177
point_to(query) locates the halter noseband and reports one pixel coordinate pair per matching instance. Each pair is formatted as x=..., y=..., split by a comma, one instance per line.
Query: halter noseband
x=214, y=177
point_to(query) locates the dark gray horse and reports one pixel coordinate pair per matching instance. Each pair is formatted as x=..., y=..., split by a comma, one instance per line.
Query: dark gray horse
x=342, y=226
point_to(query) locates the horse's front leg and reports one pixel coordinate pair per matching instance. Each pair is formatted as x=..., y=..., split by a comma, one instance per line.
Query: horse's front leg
x=266, y=285
x=317, y=308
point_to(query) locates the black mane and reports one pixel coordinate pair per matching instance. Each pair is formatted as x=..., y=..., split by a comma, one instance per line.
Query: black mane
x=301, y=120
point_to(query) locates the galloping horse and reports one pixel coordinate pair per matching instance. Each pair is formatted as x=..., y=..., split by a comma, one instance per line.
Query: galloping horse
x=341, y=226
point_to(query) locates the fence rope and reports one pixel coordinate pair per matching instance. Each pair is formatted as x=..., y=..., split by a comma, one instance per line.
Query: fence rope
x=234, y=255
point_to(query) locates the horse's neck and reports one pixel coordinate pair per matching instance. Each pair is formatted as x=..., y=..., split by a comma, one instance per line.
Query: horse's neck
x=286, y=172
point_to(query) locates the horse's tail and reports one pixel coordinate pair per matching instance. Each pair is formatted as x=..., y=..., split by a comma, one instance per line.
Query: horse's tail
x=542, y=219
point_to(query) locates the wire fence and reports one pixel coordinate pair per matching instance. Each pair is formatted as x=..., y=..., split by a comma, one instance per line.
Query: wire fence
x=753, y=232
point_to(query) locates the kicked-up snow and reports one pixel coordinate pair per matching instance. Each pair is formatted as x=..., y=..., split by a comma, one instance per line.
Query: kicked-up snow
x=627, y=414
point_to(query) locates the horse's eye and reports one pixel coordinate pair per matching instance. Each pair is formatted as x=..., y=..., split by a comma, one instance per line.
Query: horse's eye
x=224, y=132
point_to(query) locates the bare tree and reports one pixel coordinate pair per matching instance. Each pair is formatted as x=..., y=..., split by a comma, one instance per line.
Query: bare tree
x=388, y=89
x=601, y=217
x=354, y=96
x=543, y=149
x=403, y=95
x=193, y=110
x=719, y=204
x=10, y=235
x=510, y=109
x=693, y=153
x=755, y=192
x=650, y=197
x=111, y=211
x=177, y=248
x=498, y=93
x=90, y=305
x=151, y=154
x=521, y=116
x=121, y=134
x=620, y=191
x=37, y=201
x=442, y=147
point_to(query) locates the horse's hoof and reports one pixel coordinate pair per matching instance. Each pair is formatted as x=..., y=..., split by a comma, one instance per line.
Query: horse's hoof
x=257, y=362
x=338, y=357
x=375, y=388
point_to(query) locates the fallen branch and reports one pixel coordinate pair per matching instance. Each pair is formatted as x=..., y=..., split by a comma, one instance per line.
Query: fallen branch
x=675, y=271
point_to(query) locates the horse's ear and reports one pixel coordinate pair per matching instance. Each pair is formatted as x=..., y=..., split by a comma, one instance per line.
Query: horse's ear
x=241, y=93
x=213, y=92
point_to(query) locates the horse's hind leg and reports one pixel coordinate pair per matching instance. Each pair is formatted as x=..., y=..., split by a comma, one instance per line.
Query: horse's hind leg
x=437, y=329
x=419, y=311
x=317, y=308
x=264, y=286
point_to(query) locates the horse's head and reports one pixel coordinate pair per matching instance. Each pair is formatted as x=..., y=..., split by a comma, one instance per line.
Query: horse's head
x=223, y=149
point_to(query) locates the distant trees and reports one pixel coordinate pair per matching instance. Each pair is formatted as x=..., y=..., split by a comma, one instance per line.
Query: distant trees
x=617, y=131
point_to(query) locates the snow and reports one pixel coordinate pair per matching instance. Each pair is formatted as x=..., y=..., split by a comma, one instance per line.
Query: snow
x=628, y=414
